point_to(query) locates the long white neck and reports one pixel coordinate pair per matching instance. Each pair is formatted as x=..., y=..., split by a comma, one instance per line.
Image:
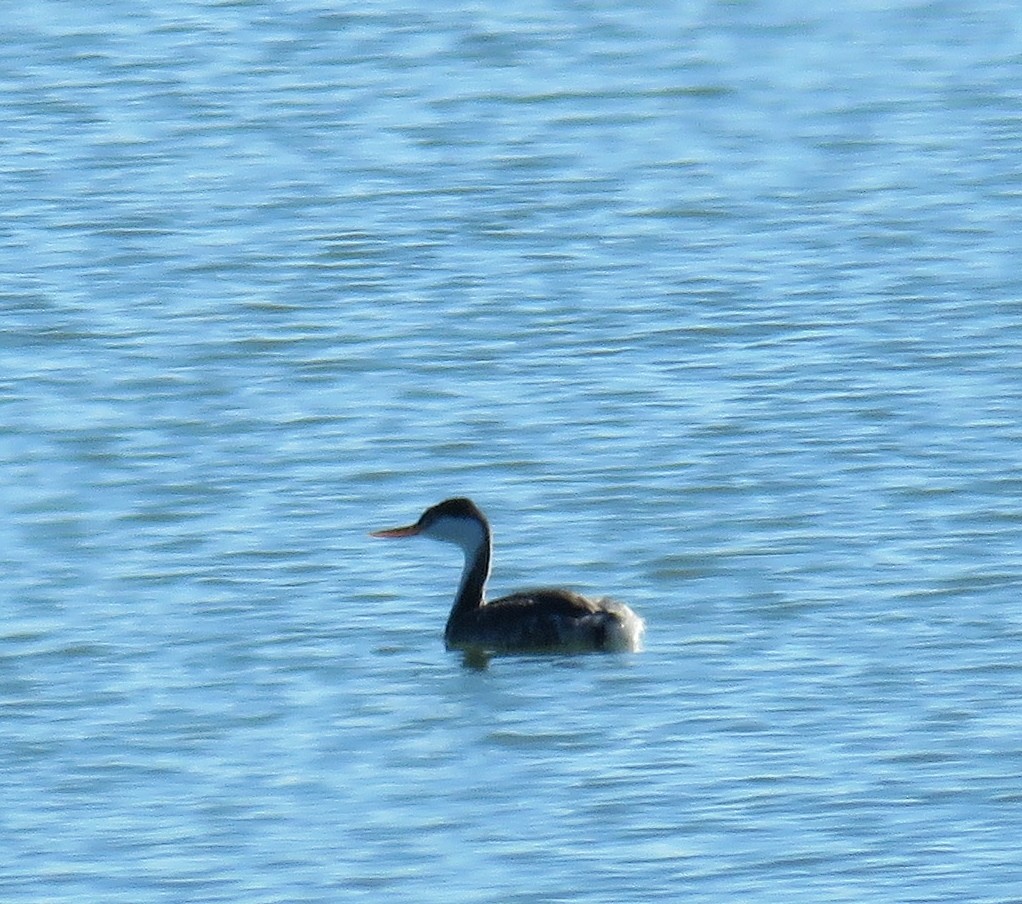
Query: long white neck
x=473, y=538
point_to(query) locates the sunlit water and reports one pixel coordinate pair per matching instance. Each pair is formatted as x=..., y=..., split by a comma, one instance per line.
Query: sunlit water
x=713, y=307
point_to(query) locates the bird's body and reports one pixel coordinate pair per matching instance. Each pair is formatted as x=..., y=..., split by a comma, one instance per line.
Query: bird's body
x=546, y=619
x=529, y=620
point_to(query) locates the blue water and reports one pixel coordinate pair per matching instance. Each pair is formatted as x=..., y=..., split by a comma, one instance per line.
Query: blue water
x=714, y=307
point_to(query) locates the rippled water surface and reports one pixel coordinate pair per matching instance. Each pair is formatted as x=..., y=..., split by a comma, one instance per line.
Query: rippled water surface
x=713, y=306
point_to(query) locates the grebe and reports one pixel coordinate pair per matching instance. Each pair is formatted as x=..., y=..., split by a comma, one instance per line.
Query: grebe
x=527, y=621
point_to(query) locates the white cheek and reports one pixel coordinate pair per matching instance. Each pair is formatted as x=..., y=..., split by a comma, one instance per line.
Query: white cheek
x=463, y=532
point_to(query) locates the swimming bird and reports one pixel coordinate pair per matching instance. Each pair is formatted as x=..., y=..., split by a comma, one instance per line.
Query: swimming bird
x=527, y=621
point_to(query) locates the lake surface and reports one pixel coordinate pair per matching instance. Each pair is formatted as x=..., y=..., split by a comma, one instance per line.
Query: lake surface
x=714, y=307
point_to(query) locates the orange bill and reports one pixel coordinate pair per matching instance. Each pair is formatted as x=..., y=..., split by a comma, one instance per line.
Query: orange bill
x=410, y=531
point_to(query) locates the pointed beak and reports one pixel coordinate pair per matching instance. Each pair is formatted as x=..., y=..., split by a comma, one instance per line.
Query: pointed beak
x=395, y=532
